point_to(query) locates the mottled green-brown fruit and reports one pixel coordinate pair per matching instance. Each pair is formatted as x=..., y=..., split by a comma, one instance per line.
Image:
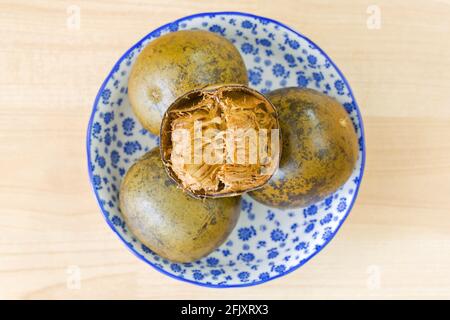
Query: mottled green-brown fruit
x=220, y=141
x=319, y=148
x=165, y=219
x=176, y=63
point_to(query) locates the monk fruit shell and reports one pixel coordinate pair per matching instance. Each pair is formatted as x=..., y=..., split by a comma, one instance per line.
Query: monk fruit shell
x=169, y=222
x=320, y=149
x=220, y=141
x=176, y=63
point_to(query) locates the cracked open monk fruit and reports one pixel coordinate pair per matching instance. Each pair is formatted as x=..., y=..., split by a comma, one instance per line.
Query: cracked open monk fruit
x=220, y=140
x=176, y=63
x=320, y=148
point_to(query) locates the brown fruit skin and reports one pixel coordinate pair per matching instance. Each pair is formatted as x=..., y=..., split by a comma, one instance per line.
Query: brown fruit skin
x=177, y=63
x=169, y=222
x=319, y=149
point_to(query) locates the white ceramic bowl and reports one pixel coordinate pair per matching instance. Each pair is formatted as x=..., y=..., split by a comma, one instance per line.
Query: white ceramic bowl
x=267, y=243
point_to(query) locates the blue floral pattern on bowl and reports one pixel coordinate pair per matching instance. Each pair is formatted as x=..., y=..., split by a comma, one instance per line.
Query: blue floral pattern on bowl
x=266, y=243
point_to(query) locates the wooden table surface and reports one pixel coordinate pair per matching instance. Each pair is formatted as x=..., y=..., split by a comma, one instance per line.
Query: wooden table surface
x=396, y=242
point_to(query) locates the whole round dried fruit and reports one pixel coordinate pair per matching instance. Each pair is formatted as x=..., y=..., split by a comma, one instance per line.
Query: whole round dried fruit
x=220, y=140
x=320, y=148
x=155, y=211
x=176, y=63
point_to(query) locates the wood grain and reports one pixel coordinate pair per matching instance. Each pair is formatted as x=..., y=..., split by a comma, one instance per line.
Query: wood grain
x=398, y=231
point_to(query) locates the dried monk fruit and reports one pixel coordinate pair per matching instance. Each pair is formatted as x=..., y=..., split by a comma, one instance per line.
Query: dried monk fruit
x=320, y=149
x=176, y=63
x=171, y=223
x=220, y=141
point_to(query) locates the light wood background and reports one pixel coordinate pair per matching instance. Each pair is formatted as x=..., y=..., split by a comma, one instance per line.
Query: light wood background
x=396, y=242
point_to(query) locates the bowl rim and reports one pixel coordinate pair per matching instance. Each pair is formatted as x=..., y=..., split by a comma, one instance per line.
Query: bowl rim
x=224, y=13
